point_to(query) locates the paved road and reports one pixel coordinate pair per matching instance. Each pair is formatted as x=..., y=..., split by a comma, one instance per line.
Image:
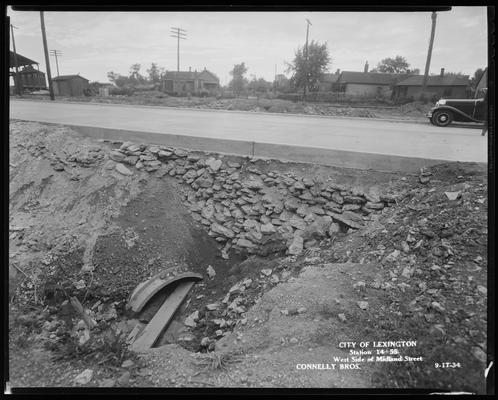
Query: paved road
x=352, y=135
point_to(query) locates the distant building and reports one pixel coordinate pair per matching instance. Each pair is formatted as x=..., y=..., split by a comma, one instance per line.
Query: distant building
x=30, y=78
x=102, y=84
x=367, y=84
x=185, y=82
x=70, y=85
x=447, y=86
x=101, y=89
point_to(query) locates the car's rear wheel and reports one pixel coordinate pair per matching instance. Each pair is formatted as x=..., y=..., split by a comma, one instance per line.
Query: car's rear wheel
x=442, y=118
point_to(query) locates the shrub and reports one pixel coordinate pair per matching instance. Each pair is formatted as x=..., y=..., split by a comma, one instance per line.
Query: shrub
x=290, y=96
x=121, y=91
x=322, y=97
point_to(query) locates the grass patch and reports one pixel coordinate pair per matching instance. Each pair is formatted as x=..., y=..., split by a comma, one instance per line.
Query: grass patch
x=214, y=361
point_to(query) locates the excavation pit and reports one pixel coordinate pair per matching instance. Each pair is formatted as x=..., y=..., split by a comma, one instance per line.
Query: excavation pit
x=383, y=249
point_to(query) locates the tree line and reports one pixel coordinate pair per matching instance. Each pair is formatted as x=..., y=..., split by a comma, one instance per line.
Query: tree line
x=309, y=66
x=153, y=75
x=307, y=70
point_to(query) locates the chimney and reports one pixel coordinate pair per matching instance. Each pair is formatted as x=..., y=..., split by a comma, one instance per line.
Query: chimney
x=366, y=67
x=442, y=72
x=338, y=71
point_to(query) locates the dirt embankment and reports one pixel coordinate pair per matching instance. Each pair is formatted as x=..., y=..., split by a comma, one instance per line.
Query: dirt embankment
x=415, y=276
x=66, y=204
x=85, y=225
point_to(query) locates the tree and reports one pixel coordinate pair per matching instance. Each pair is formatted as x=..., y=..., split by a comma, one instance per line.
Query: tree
x=238, y=81
x=135, y=76
x=309, y=71
x=154, y=73
x=414, y=71
x=259, y=85
x=118, y=79
x=396, y=65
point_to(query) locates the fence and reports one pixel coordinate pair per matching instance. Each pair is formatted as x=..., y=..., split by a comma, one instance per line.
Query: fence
x=333, y=97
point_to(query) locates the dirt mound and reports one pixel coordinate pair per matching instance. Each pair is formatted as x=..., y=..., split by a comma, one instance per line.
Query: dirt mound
x=81, y=228
x=432, y=255
x=416, y=108
x=72, y=218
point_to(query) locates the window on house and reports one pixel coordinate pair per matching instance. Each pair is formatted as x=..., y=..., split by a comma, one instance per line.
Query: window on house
x=447, y=92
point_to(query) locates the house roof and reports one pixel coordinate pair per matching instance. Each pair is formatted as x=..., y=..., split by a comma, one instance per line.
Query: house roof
x=29, y=69
x=67, y=77
x=330, y=78
x=181, y=75
x=21, y=60
x=103, y=84
x=369, y=78
x=436, y=80
x=191, y=75
x=209, y=75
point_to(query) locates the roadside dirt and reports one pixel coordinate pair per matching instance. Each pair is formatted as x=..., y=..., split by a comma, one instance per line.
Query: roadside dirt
x=417, y=271
x=414, y=111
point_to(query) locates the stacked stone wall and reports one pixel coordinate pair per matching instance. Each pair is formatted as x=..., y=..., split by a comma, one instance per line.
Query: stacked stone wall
x=249, y=210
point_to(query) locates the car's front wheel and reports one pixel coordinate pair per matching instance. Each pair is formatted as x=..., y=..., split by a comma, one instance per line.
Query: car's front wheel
x=442, y=118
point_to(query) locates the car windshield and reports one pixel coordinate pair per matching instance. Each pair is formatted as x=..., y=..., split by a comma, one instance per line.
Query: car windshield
x=482, y=93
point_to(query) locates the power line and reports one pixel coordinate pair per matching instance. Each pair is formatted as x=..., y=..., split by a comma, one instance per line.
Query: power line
x=56, y=54
x=178, y=33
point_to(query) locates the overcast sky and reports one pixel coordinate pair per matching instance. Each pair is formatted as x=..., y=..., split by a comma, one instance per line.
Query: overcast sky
x=94, y=43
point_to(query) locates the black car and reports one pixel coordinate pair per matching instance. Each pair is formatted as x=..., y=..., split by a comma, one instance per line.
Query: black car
x=459, y=110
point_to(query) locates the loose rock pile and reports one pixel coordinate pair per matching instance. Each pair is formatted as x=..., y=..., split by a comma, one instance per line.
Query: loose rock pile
x=250, y=211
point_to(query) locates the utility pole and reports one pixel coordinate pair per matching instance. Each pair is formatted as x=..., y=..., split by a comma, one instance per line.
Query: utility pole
x=275, y=86
x=429, y=53
x=47, y=59
x=306, y=72
x=56, y=54
x=17, y=80
x=178, y=33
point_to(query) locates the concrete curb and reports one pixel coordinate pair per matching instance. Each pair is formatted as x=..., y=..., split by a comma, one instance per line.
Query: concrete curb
x=301, y=154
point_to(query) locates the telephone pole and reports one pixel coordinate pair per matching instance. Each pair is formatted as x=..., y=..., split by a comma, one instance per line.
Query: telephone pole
x=178, y=33
x=17, y=80
x=275, y=86
x=47, y=59
x=429, y=53
x=306, y=72
x=56, y=54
